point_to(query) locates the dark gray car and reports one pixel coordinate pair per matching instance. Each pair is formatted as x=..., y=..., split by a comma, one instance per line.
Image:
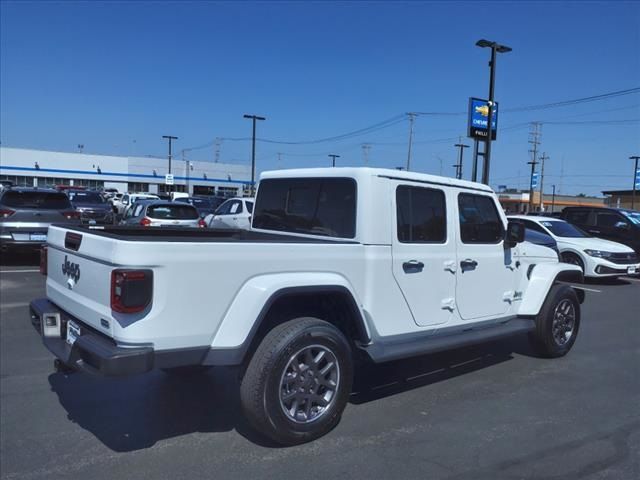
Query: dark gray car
x=26, y=213
x=93, y=207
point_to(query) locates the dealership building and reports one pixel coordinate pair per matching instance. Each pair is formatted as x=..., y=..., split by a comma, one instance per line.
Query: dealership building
x=40, y=168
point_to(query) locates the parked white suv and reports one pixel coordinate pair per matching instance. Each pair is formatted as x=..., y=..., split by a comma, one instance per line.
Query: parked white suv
x=233, y=213
x=340, y=263
x=595, y=256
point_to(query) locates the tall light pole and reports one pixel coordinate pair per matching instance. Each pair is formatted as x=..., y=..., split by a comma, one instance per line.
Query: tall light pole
x=495, y=48
x=253, y=149
x=333, y=159
x=635, y=180
x=461, y=146
x=170, y=138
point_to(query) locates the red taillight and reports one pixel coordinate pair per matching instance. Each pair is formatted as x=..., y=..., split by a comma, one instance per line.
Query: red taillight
x=6, y=213
x=43, y=260
x=131, y=290
x=202, y=223
x=145, y=222
x=71, y=214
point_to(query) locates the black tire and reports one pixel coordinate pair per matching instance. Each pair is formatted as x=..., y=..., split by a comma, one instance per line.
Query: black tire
x=265, y=381
x=551, y=338
x=572, y=259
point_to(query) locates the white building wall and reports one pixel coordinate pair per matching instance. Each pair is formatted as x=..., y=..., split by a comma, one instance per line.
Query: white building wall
x=118, y=172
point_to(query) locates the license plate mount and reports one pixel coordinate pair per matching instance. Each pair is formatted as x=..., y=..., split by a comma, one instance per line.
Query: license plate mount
x=73, y=332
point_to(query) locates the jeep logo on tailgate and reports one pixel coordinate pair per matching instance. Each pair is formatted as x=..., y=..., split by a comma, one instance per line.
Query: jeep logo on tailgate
x=71, y=269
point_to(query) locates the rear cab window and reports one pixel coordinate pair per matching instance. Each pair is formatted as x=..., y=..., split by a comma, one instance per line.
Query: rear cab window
x=479, y=219
x=36, y=200
x=312, y=206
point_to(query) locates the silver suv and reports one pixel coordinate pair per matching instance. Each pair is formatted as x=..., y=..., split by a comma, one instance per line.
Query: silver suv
x=26, y=213
x=162, y=214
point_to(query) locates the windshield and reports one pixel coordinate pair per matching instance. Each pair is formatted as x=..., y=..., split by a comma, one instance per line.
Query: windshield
x=172, y=212
x=564, y=229
x=38, y=200
x=86, y=198
x=633, y=216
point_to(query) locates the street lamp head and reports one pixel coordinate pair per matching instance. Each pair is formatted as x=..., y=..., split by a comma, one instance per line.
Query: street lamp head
x=487, y=44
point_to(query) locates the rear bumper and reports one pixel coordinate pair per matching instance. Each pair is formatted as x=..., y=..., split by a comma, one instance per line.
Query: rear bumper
x=92, y=352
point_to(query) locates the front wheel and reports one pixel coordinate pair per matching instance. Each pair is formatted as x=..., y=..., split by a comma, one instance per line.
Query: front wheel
x=298, y=381
x=557, y=323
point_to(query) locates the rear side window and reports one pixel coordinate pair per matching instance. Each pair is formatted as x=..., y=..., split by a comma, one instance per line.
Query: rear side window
x=479, y=219
x=36, y=200
x=421, y=215
x=315, y=206
x=172, y=212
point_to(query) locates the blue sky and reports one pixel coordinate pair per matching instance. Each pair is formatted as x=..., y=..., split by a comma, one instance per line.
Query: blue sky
x=117, y=76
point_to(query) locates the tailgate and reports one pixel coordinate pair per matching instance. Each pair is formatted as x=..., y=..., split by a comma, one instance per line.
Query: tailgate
x=79, y=275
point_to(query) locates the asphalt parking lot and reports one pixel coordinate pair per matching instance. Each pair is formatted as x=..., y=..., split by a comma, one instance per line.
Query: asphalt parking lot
x=489, y=412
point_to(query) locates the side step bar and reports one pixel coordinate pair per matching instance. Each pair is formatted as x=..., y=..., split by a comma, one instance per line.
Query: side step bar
x=412, y=345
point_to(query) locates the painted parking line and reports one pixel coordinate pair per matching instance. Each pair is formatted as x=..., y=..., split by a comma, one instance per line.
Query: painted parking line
x=20, y=271
x=581, y=287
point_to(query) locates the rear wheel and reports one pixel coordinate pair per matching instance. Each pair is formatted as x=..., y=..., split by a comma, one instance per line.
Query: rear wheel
x=558, y=323
x=298, y=381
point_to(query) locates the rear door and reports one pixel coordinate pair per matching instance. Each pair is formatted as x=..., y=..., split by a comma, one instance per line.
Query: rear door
x=423, y=250
x=486, y=275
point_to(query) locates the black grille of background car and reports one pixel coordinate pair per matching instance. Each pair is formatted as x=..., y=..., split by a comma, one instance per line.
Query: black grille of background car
x=95, y=214
x=624, y=258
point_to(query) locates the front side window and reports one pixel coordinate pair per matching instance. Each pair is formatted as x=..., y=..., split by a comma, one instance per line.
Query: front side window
x=421, y=215
x=314, y=206
x=479, y=219
x=608, y=220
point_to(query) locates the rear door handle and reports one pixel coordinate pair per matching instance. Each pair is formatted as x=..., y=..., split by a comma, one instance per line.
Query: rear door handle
x=468, y=264
x=412, y=266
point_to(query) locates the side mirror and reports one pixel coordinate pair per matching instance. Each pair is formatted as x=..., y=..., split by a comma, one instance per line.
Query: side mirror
x=515, y=233
x=622, y=225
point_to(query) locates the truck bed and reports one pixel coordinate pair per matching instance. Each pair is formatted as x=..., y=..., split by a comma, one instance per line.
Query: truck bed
x=199, y=235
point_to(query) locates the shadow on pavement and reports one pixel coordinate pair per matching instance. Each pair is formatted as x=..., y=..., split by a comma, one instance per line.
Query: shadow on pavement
x=607, y=281
x=134, y=413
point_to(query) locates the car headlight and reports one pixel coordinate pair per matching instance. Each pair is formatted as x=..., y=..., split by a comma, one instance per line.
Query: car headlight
x=598, y=253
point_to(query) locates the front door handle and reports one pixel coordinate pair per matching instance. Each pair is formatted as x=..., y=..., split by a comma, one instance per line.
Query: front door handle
x=468, y=264
x=412, y=266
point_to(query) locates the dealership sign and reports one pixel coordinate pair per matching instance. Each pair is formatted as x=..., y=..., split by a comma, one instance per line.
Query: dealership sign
x=479, y=117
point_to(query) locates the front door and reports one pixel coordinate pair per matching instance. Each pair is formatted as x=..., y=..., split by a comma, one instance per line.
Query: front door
x=486, y=275
x=424, y=253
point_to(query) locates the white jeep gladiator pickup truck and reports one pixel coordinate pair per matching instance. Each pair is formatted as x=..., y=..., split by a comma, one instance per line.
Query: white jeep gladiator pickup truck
x=340, y=264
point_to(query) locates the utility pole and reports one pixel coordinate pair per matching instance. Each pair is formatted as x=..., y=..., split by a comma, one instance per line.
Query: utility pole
x=279, y=164
x=254, y=118
x=365, y=153
x=542, y=159
x=217, y=142
x=535, y=141
x=187, y=168
x=553, y=199
x=412, y=117
x=635, y=180
x=461, y=146
x=495, y=48
x=333, y=158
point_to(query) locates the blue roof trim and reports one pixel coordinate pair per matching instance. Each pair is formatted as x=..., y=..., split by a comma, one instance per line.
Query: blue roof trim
x=116, y=174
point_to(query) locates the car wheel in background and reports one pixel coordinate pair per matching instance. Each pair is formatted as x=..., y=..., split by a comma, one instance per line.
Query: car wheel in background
x=573, y=259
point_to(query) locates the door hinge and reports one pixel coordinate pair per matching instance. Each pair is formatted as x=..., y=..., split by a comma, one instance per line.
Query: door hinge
x=448, y=304
x=450, y=265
